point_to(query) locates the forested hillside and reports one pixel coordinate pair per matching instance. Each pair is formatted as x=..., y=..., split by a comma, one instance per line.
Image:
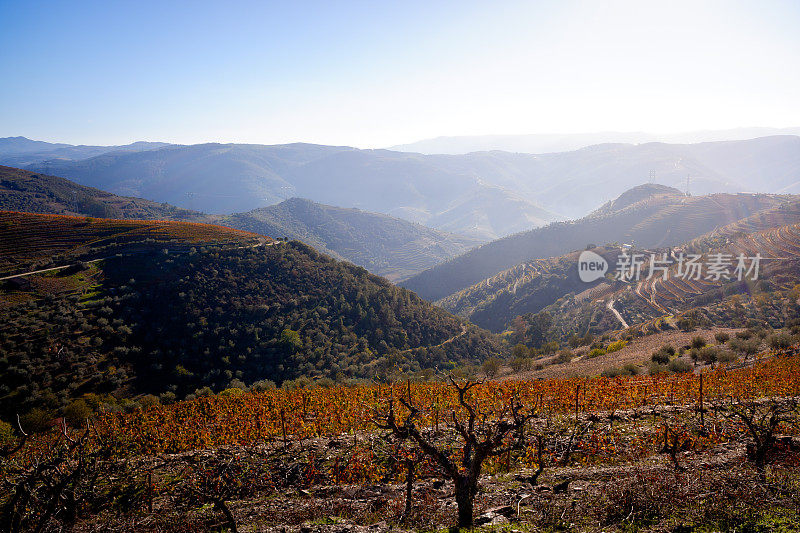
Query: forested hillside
x=162, y=319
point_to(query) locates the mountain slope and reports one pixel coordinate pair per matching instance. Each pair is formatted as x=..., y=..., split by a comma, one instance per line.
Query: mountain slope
x=553, y=284
x=28, y=240
x=384, y=245
x=207, y=311
x=22, y=190
x=663, y=219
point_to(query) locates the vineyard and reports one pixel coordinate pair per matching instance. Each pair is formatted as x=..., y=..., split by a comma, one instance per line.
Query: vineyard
x=777, y=246
x=288, y=456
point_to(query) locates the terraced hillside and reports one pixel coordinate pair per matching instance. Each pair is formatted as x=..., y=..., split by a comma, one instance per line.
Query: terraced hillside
x=660, y=219
x=778, y=247
x=652, y=303
x=526, y=288
x=27, y=239
x=658, y=304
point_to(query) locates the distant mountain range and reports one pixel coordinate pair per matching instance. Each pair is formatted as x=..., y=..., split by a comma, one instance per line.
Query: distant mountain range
x=384, y=245
x=484, y=195
x=546, y=143
x=649, y=215
x=20, y=151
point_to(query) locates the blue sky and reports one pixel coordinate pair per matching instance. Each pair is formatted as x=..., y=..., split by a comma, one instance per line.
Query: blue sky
x=373, y=74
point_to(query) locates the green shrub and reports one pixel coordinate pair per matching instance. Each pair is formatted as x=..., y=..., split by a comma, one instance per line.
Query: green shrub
x=747, y=346
x=36, y=420
x=709, y=355
x=564, y=356
x=655, y=368
x=300, y=383
x=167, y=397
x=726, y=356
x=76, y=413
x=630, y=369
x=520, y=351
x=521, y=364
x=326, y=383
x=616, y=346
x=722, y=337
x=550, y=347
x=232, y=391
x=491, y=366
x=148, y=400
x=780, y=341
x=611, y=372
x=660, y=357
x=698, y=342
x=679, y=366
x=597, y=352
x=6, y=433
x=263, y=385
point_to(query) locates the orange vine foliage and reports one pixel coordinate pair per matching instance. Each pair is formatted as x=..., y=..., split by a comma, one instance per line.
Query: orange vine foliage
x=307, y=413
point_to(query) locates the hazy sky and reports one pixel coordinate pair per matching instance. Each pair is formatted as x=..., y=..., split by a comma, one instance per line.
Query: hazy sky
x=378, y=73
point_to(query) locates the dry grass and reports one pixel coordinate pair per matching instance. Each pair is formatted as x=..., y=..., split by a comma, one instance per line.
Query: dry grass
x=637, y=352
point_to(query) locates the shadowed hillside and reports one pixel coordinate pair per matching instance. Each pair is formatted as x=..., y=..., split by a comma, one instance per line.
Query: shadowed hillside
x=22, y=190
x=173, y=307
x=384, y=245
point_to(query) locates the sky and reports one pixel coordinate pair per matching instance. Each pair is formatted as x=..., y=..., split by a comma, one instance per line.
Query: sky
x=378, y=73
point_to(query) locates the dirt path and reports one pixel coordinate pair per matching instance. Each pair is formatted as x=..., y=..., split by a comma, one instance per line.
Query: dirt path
x=451, y=339
x=51, y=269
x=62, y=267
x=610, y=306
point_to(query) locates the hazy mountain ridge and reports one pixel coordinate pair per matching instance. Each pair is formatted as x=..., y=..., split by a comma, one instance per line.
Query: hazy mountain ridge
x=544, y=143
x=384, y=245
x=449, y=192
x=21, y=151
x=22, y=190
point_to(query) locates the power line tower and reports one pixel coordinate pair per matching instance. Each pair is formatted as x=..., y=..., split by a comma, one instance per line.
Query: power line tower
x=687, y=185
x=190, y=196
x=652, y=178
